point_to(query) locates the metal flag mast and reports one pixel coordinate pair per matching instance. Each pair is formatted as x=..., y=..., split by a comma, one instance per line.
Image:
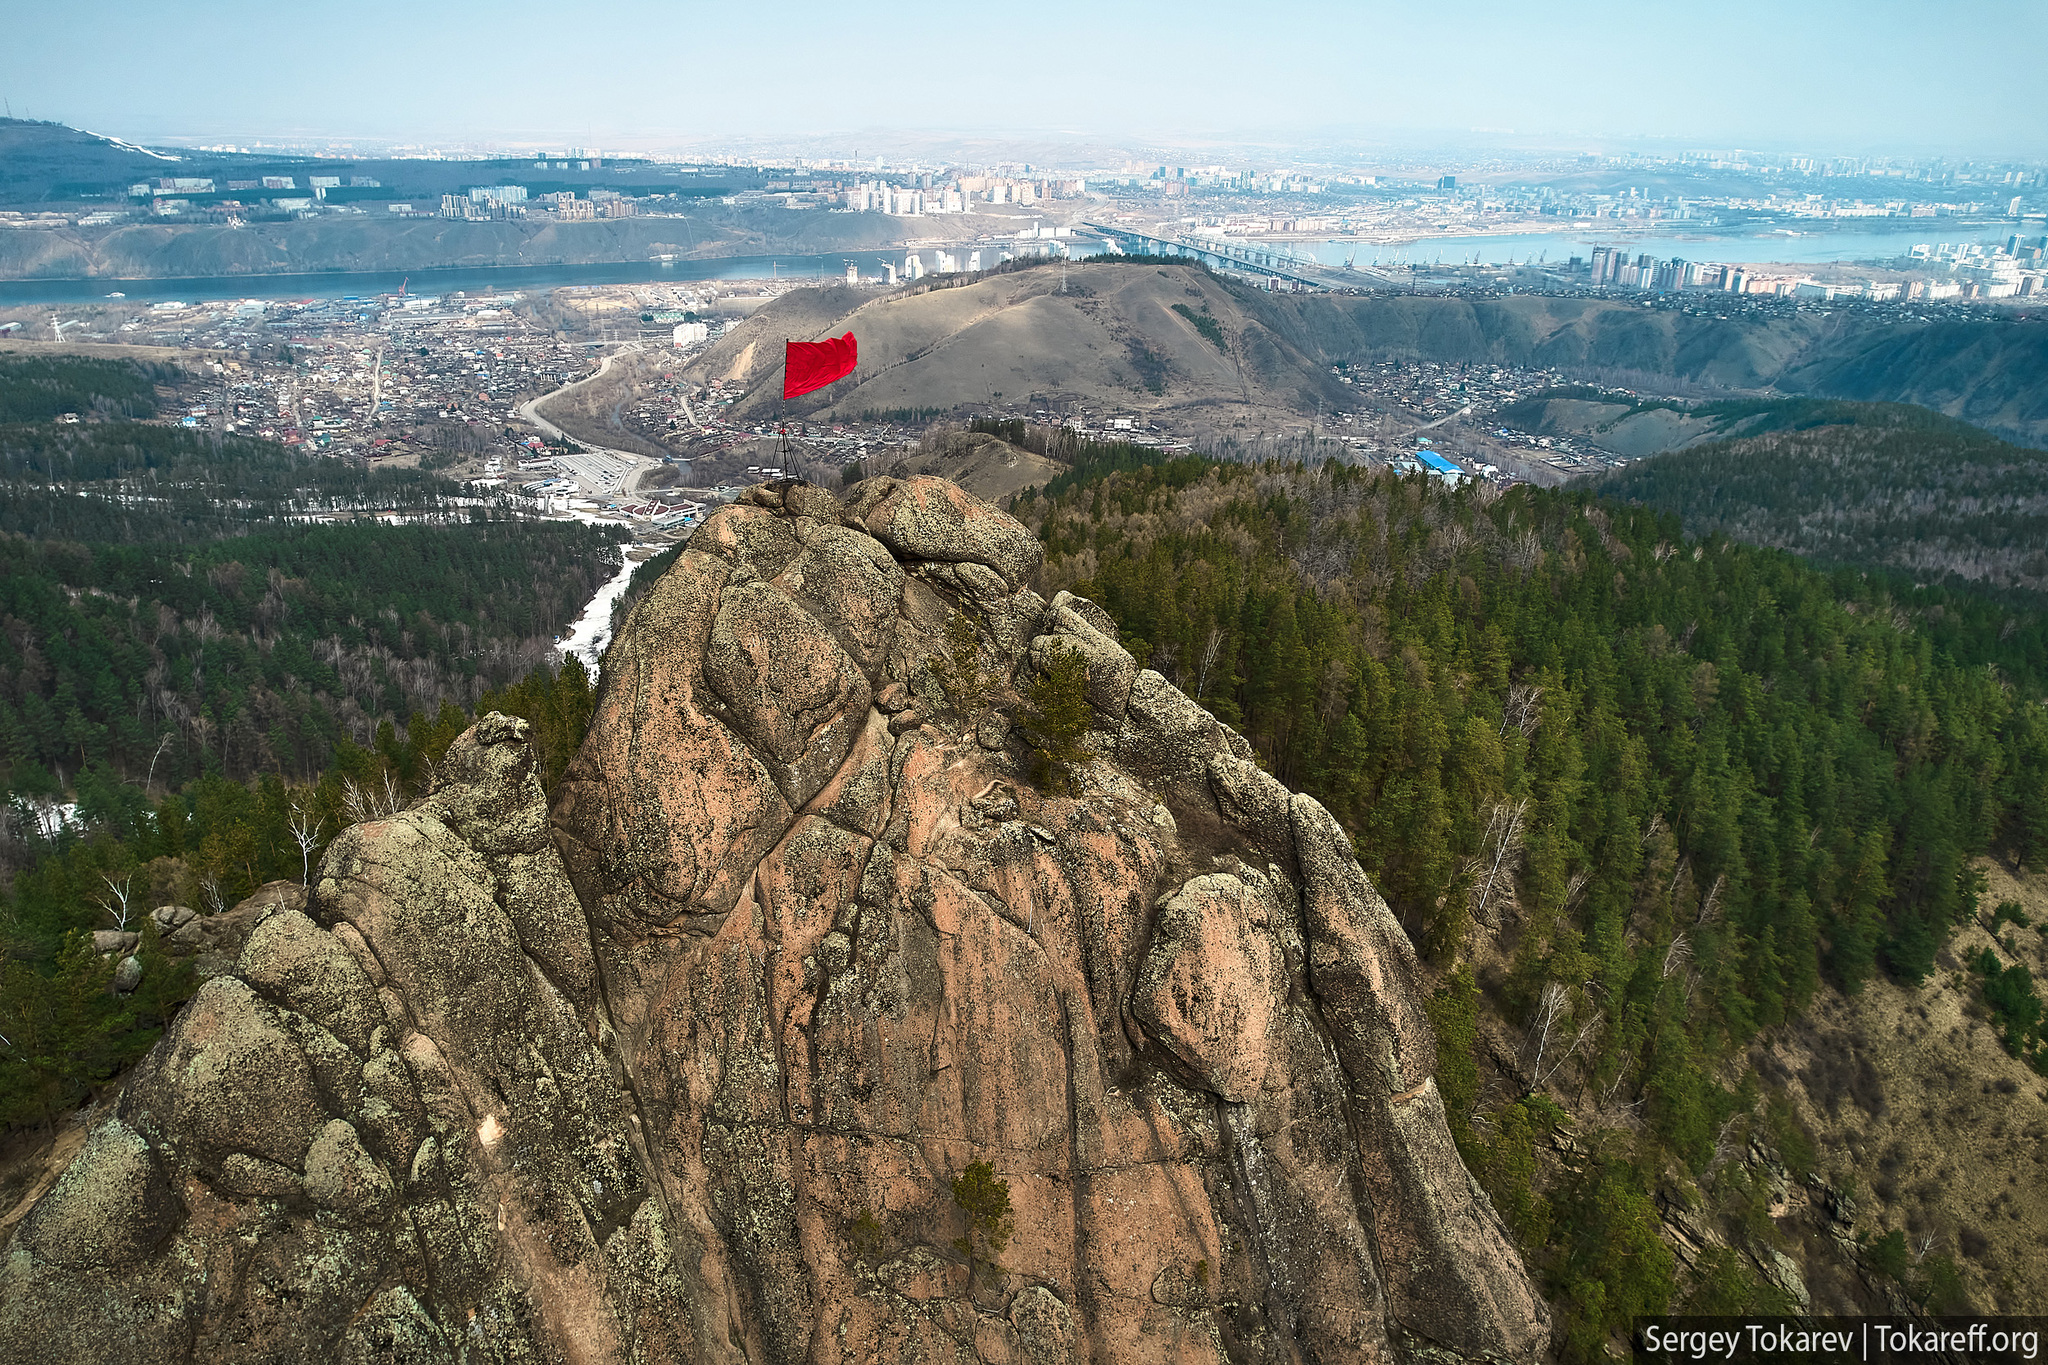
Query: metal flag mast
x=781, y=424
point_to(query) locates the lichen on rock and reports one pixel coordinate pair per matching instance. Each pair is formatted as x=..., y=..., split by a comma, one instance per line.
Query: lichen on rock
x=683, y=1067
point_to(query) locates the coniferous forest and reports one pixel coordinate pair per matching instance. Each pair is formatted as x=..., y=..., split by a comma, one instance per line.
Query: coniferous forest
x=1637, y=795
x=38, y=388
x=205, y=643
x=1866, y=484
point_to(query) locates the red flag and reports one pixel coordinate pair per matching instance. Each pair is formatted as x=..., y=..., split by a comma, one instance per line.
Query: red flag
x=811, y=365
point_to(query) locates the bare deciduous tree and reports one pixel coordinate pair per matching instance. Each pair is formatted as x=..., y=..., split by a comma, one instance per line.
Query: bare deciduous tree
x=150, y=778
x=306, y=826
x=1522, y=709
x=114, y=900
x=1210, y=648
x=1504, y=833
x=1710, y=908
x=1677, y=955
x=373, y=802
x=1551, y=1009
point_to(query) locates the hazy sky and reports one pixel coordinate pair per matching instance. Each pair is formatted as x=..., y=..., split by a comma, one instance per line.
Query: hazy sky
x=1959, y=76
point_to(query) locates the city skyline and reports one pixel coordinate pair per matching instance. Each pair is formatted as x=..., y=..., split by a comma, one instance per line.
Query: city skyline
x=1906, y=76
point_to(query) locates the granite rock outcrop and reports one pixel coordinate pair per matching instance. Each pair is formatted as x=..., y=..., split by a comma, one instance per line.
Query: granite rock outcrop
x=683, y=1068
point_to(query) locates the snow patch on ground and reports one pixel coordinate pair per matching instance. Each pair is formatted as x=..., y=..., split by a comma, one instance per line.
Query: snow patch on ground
x=593, y=629
x=129, y=146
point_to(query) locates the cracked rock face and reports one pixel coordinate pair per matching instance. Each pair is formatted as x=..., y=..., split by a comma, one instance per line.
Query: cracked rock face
x=683, y=1070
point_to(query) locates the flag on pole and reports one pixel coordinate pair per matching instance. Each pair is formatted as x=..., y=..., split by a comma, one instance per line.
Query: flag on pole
x=809, y=365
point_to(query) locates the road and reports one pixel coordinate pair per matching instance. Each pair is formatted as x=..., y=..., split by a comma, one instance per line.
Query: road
x=1465, y=411
x=600, y=470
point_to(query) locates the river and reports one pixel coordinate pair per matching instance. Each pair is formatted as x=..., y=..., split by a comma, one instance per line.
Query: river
x=342, y=284
x=592, y=633
x=1799, y=246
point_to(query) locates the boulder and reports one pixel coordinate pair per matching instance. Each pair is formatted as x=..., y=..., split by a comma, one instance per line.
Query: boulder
x=926, y=518
x=686, y=1064
x=1167, y=740
x=170, y=918
x=1214, y=985
x=1111, y=670
x=215, y=941
x=112, y=1206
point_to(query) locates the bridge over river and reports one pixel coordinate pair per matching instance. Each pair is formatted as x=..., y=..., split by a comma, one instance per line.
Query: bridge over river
x=1253, y=258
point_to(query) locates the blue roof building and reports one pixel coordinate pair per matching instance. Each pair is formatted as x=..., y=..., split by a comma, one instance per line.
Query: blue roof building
x=1437, y=465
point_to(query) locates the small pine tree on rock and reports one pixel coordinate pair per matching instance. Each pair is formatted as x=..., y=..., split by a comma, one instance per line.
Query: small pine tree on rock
x=959, y=668
x=1056, y=716
x=985, y=1200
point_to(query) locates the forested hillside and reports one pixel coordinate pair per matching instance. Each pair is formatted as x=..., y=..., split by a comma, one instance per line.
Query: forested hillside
x=170, y=605
x=1866, y=485
x=129, y=482
x=1648, y=792
x=213, y=655
x=262, y=653
x=38, y=388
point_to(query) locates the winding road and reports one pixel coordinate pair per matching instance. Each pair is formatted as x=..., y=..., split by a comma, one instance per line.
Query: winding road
x=634, y=465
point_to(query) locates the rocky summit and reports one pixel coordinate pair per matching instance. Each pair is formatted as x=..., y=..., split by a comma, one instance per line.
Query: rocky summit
x=733, y=1053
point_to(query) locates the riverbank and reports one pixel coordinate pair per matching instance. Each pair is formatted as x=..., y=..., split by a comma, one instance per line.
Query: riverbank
x=364, y=243
x=343, y=284
x=592, y=634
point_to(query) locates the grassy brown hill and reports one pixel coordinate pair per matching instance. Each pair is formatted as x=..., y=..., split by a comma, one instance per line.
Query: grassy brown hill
x=1991, y=372
x=990, y=468
x=1617, y=425
x=1107, y=337
x=1575, y=335
x=1922, y=1118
